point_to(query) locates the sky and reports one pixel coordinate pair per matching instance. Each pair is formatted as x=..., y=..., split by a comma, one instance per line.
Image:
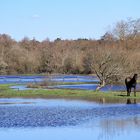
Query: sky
x=65, y=19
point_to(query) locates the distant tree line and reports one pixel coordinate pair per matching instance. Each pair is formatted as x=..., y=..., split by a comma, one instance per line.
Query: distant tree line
x=114, y=55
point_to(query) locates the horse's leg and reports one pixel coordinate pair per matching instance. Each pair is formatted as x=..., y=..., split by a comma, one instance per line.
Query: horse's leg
x=135, y=91
x=128, y=91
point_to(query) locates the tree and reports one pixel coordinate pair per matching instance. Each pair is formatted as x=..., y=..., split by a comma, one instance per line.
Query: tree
x=107, y=37
x=3, y=67
x=108, y=65
x=126, y=32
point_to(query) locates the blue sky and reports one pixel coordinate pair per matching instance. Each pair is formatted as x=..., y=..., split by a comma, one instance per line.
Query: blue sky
x=67, y=19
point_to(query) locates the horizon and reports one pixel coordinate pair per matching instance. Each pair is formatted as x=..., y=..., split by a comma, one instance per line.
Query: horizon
x=71, y=20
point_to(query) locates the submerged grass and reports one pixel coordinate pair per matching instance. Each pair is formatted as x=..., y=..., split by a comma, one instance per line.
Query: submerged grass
x=102, y=97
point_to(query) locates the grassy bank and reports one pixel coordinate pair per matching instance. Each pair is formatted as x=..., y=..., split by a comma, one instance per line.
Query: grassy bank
x=110, y=97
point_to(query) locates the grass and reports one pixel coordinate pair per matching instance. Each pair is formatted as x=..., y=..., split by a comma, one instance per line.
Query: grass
x=110, y=97
x=45, y=84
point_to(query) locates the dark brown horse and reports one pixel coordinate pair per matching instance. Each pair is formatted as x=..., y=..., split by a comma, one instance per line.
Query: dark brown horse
x=131, y=83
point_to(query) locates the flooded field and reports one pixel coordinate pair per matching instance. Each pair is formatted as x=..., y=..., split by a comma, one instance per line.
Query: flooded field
x=56, y=119
x=89, y=82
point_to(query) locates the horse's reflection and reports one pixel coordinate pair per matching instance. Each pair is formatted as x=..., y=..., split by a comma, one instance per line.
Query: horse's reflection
x=131, y=101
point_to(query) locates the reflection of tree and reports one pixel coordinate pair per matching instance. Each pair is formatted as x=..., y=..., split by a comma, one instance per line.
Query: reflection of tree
x=113, y=128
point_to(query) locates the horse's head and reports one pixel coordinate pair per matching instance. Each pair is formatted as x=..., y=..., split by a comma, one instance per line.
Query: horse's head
x=135, y=76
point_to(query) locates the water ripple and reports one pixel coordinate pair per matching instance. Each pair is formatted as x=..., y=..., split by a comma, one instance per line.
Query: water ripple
x=56, y=116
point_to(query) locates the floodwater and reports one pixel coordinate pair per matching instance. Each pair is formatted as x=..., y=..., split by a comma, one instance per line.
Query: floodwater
x=55, y=119
x=80, y=86
x=61, y=78
x=33, y=79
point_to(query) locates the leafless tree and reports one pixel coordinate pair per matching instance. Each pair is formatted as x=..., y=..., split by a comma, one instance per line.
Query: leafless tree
x=108, y=65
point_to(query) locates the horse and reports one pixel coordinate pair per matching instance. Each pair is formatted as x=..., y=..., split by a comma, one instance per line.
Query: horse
x=131, y=83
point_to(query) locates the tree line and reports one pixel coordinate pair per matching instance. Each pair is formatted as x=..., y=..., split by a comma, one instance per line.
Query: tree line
x=113, y=56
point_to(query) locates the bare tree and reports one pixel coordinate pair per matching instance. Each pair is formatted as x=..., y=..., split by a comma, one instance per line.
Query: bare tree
x=126, y=32
x=3, y=66
x=108, y=65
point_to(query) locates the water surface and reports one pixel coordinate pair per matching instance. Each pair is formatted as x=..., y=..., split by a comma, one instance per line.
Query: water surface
x=81, y=86
x=34, y=79
x=56, y=119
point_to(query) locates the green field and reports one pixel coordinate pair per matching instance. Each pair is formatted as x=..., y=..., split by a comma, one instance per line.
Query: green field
x=107, y=97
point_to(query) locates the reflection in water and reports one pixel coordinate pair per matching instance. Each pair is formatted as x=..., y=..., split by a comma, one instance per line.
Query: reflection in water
x=117, y=128
x=131, y=101
x=102, y=100
x=78, y=119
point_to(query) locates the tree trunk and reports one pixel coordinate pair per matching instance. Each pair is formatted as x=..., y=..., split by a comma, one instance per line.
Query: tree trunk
x=102, y=84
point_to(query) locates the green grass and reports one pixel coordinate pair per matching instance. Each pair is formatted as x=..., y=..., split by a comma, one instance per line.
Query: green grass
x=110, y=97
x=45, y=84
